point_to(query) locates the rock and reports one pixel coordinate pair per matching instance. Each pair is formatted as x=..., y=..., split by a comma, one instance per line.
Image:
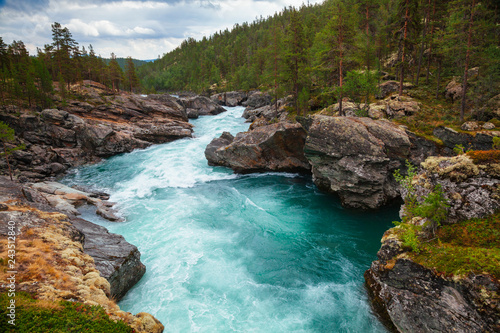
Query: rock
x=376, y=111
x=356, y=157
x=67, y=200
x=117, y=260
x=210, y=151
x=471, y=190
x=231, y=98
x=276, y=147
x=57, y=140
x=204, y=105
x=147, y=323
x=165, y=106
x=401, y=106
x=470, y=126
x=54, y=115
x=453, y=90
x=473, y=72
x=488, y=126
x=267, y=112
x=104, y=210
x=390, y=87
x=411, y=298
x=192, y=113
x=257, y=99
x=477, y=141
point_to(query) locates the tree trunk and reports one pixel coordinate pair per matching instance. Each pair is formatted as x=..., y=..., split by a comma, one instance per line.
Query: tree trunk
x=422, y=46
x=430, y=44
x=467, y=59
x=403, y=55
x=341, y=56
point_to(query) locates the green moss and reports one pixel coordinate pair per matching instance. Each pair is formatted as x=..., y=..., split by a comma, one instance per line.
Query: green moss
x=471, y=246
x=41, y=316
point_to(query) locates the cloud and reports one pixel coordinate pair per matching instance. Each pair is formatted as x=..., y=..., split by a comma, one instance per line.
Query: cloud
x=141, y=29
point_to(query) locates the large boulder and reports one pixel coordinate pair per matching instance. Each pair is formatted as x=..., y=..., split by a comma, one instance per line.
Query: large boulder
x=453, y=90
x=231, y=98
x=482, y=140
x=356, y=158
x=470, y=188
x=203, y=104
x=389, y=87
x=275, y=147
x=257, y=99
x=117, y=260
x=413, y=296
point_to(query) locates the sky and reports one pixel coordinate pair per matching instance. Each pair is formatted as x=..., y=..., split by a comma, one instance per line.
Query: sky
x=141, y=29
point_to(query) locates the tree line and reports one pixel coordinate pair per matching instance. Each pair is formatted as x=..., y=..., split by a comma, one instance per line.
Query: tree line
x=28, y=81
x=323, y=52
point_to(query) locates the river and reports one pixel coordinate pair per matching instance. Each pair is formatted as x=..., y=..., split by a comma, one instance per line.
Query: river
x=237, y=253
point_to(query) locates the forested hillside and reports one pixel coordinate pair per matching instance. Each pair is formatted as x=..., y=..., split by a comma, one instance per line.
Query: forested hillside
x=318, y=53
x=27, y=81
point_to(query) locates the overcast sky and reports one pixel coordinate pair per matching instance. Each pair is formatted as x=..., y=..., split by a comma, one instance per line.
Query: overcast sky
x=141, y=29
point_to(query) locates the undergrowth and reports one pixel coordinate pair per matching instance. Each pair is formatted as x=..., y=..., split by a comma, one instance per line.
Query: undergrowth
x=35, y=316
x=471, y=246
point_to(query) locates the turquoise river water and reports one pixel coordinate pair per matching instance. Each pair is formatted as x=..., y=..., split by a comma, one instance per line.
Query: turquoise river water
x=237, y=253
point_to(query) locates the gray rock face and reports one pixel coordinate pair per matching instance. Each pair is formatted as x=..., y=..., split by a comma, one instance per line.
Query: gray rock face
x=57, y=139
x=231, y=98
x=453, y=90
x=411, y=298
x=117, y=260
x=390, y=87
x=211, y=151
x=477, y=141
x=257, y=99
x=204, y=105
x=268, y=112
x=472, y=191
x=356, y=158
x=276, y=147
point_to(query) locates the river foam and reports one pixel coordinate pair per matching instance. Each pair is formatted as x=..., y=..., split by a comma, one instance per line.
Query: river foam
x=237, y=253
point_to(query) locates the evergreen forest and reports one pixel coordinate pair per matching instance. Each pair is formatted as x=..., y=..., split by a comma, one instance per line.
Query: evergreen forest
x=320, y=53
x=317, y=54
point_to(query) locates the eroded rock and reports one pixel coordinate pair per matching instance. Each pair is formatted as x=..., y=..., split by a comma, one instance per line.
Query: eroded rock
x=275, y=147
x=356, y=158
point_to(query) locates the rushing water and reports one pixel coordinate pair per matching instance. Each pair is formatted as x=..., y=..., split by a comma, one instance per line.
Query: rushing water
x=232, y=253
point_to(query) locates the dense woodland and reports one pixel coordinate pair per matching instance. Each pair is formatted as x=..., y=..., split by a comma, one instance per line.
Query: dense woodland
x=319, y=53
x=27, y=80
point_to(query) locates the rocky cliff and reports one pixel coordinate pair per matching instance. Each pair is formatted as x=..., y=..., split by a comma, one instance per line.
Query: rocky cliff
x=444, y=277
x=356, y=157
x=97, y=125
x=274, y=147
x=59, y=257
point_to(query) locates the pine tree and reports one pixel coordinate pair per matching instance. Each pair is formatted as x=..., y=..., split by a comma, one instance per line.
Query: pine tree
x=132, y=80
x=115, y=73
x=294, y=56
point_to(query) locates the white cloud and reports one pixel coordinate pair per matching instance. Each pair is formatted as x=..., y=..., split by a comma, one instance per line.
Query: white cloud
x=141, y=29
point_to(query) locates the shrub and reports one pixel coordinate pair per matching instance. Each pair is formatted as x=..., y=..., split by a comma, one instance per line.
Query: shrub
x=484, y=156
x=41, y=316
